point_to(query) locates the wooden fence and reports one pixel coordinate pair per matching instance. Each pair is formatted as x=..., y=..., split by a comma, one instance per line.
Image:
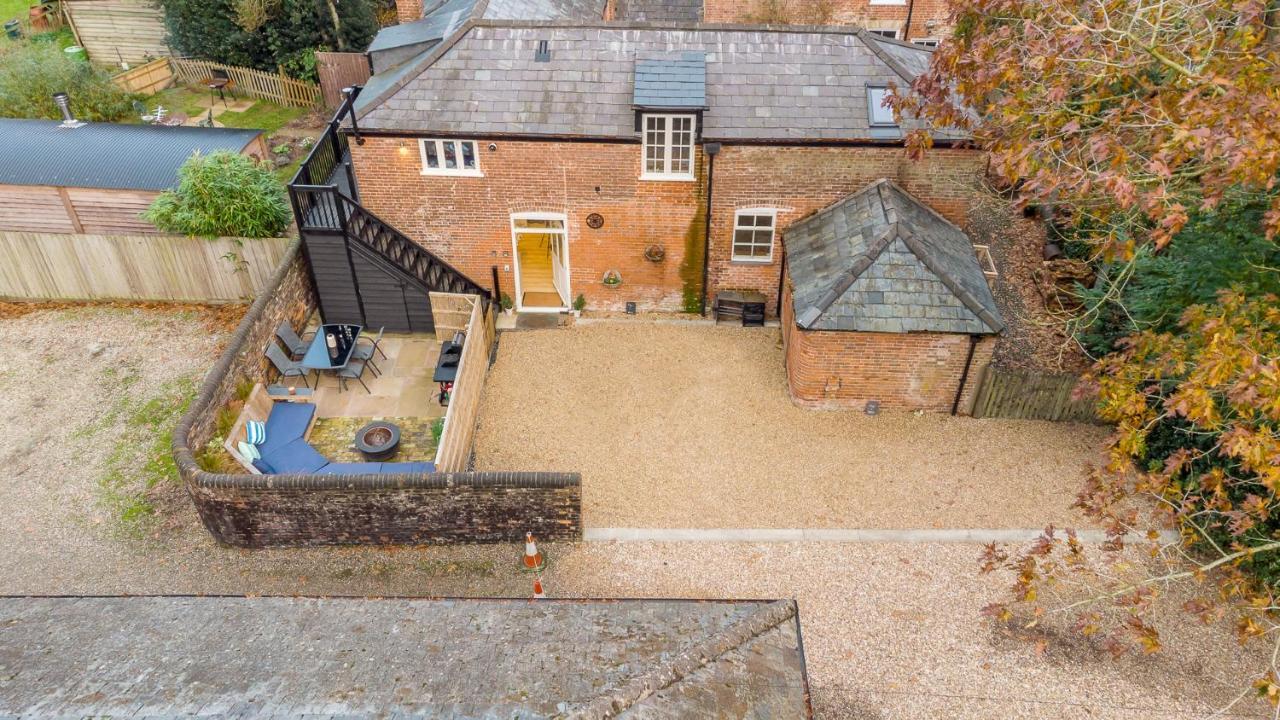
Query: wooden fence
x=47, y=266
x=254, y=83
x=338, y=70
x=1031, y=396
x=147, y=79
x=454, y=453
x=118, y=31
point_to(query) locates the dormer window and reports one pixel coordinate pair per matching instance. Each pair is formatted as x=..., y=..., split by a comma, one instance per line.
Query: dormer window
x=668, y=146
x=877, y=113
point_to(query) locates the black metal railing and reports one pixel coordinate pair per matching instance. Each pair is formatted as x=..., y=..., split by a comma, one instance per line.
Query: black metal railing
x=330, y=150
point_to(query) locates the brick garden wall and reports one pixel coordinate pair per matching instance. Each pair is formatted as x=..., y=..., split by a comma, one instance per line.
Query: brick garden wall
x=929, y=19
x=911, y=371
x=798, y=181
x=467, y=221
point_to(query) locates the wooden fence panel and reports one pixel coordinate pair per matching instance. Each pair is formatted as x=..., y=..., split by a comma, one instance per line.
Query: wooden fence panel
x=338, y=70
x=147, y=79
x=115, y=31
x=254, y=83
x=454, y=452
x=1032, y=396
x=46, y=266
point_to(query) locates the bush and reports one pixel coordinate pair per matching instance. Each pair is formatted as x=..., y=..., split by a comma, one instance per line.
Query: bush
x=30, y=74
x=222, y=194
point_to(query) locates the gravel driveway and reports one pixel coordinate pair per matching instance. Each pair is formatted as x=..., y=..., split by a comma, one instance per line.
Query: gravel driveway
x=691, y=426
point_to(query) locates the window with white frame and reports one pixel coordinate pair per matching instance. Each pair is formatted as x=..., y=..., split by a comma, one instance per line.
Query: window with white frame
x=449, y=157
x=877, y=113
x=668, y=147
x=753, y=234
x=889, y=33
x=926, y=42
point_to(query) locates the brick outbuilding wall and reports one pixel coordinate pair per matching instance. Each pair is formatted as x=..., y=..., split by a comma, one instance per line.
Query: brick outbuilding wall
x=929, y=18
x=909, y=371
x=798, y=181
x=467, y=220
x=408, y=10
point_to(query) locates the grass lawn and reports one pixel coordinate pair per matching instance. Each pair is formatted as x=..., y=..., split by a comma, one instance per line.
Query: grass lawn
x=10, y=9
x=263, y=115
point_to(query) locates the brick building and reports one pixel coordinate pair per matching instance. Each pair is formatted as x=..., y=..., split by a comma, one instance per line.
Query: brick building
x=651, y=164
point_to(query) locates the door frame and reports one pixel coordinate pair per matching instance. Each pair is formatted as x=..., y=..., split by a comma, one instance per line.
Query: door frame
x=563, y=232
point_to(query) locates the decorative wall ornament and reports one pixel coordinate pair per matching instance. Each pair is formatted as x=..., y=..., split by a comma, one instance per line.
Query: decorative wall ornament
x=655, y=253
x=595, y=221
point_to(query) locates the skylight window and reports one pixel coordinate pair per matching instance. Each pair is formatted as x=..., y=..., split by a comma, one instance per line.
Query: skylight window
x=877, y=113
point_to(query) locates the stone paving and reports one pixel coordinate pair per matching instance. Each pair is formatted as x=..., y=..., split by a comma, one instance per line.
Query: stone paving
x=334, y=438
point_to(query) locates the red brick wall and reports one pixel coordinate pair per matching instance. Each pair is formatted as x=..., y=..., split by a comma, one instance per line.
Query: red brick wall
x=929, y=19
x=910, y=371
x=467, y=220
x=408, y=10
x=798, y=181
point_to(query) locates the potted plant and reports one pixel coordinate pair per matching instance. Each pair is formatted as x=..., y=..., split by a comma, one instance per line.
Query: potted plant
x=612, y=279
x=579, y=304
x=508, y=306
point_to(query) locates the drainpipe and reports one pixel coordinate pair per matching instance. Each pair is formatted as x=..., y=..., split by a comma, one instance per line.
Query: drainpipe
x=711, y=149
x=964, y=376
x=906, y=29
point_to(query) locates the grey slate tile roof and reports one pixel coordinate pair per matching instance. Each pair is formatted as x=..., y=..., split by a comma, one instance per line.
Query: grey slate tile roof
x=544, y=10
x=676, y=82
x=439, y=23
x=881, y=261
x=135, y=657
x=798, y=84
x=680, y=11
x=106, y=155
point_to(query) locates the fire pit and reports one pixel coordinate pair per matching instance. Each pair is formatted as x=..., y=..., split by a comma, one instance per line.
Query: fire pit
x=378, y=440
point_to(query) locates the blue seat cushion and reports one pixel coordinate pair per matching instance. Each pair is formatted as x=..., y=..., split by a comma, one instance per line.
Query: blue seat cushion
x=350, y=469
x=287, y=422
x=408, y=467
x=295, y=457
x=263, y=466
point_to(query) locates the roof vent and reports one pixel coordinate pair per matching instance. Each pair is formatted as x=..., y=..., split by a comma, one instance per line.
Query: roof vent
x=543, y=53
x=64, y=104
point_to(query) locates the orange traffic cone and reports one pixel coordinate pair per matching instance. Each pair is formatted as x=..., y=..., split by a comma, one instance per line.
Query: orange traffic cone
x=533, y=559
x=537, y=589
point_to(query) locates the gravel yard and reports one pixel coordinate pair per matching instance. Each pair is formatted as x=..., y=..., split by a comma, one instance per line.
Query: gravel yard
x=691, y=426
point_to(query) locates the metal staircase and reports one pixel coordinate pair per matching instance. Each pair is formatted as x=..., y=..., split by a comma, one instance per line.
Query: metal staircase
x=348, y=246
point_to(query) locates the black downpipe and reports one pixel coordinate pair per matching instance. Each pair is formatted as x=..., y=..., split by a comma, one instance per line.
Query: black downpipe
x=711, y=149
x=782, y=278
x=964, y=376
x=906, y=29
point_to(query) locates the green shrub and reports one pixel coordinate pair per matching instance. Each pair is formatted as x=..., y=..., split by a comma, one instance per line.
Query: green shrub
x=222, y=194
x=31, y=73
x=437, y=430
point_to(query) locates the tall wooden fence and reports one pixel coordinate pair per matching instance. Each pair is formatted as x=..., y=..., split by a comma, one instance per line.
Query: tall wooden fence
x=118, y=31
x=338, y=70
x=454, y=452
x=147, y=79
x=1031, y=396
x=48, y=266
x=254, y=83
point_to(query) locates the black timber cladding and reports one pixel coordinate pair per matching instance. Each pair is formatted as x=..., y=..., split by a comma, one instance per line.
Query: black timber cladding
x=383, y=298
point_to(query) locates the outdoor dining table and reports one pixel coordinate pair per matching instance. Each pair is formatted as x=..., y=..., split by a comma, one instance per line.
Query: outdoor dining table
x=322, y=356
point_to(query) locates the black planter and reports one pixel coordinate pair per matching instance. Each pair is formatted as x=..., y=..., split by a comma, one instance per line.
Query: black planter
x=378, y=441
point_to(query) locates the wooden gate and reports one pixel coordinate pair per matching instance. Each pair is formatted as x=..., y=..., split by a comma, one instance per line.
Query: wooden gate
x=338, y=70
x=1032, y=396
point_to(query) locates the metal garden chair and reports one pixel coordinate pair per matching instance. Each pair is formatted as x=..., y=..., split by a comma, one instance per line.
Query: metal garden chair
x=286, y=366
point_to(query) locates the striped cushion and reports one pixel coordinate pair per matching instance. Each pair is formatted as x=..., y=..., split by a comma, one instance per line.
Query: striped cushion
x=255, y=432
x=248, y=450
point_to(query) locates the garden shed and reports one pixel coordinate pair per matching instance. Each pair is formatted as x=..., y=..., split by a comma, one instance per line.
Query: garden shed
x=119, y=32
x=98, y=177
x=885, y=302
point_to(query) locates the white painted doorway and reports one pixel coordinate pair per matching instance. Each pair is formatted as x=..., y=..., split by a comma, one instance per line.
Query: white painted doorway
x=540, y=248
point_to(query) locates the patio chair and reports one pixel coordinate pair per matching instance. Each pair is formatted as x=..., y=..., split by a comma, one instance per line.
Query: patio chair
x=365, y=352
x=296, y=345
x=354, y=370
x=286, y=366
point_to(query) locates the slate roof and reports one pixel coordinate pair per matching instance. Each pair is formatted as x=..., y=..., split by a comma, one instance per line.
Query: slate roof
x=136, y=657
x=106, y=155
x=761, y=84
x=679, y=11
x=678, y=82
x=881, y=261
x=544, y=10
x=438, y=23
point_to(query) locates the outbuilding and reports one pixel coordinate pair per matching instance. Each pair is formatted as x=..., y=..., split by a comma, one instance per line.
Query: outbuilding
x=885, y=301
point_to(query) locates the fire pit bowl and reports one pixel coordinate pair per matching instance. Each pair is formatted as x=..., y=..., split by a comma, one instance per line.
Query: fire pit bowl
x=378, y=440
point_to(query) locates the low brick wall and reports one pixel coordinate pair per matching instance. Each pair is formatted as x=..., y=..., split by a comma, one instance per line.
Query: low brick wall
x=300, y=510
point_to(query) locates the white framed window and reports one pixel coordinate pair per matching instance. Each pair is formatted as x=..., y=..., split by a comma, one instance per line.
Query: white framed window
x=877, y=113
x=926, y=42
x=668, y=147
x=450, y=157
x=889, y=33
x=753, y=232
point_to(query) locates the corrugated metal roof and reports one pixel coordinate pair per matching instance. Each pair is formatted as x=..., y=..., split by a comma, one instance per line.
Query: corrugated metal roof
x=882, y=261
x=106, y=155
x=672, y=82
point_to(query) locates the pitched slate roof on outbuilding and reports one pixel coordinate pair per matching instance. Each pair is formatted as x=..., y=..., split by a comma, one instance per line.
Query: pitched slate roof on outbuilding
x=106, y=155
x=280, y=657
x=680, y=11
x=544, y=10
x=881, y=261
x=761, y=84
x=678, y=82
